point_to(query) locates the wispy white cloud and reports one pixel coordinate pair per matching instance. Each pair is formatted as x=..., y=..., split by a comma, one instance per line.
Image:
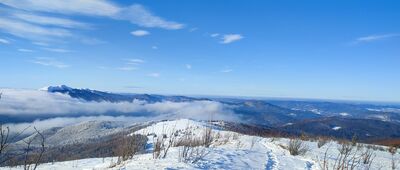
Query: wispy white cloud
x=40, y=43
x=25, y=50
x=139, y=15
x=51, y=62
x=229, y=38
x=214, y=35
x=154, y=47
x=188, y=66
x=4, y=41
x=92, y=41
x=52, y=21
x=226, y=70
x=193, y=29
x=136, y=14
x=132, y=87
x=91, y=7
x=154, y=75
x=131, y=64
x=140, y=33
x=372, y=38
x=134, y=61
x=127, y=68
x=48, y=20
x=57, y=50
x=31, y=31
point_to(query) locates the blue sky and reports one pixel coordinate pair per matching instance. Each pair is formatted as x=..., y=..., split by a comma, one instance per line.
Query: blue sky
x=303, y=49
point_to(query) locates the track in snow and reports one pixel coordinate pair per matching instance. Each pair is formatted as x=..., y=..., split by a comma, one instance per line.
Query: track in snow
x=272, y=161
x=309, y=165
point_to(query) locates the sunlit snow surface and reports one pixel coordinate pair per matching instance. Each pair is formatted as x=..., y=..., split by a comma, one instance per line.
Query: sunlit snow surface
x=236, y=153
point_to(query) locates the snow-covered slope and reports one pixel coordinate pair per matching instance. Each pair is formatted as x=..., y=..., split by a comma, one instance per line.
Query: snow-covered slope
x=79, y=133
x=228, y=150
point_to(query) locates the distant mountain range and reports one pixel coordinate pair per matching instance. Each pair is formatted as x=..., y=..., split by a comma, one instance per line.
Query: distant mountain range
x=342, y=120
x=99, y=96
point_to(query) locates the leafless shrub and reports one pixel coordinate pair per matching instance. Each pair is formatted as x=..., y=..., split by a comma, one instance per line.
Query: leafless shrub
x=239, y=145
x=112, y=164
x=163, y=143
x=191, y=149
x=368, y=157
x=350, y=156
x=235, y=136
x=217, y=136
x=354, y=140
x=273, y=139
x=297, y=147
x=347, y=157
x=10, y=156
x=324, y=164
x=128, y=146
x=207, y=137
x=186, y=143
x=253, y=142
x=157, y=146
x=4, y=142
x=33, y=158
x=225, y=138
x=392, y=150
x=283, y=146
x=227, y=135
x=168, y=145
x=304, y=137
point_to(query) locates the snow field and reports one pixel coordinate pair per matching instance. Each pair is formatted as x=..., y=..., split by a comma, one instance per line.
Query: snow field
x=228, y=150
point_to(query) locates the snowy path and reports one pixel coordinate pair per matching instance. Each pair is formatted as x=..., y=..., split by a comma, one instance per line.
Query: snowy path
x=280, y=159
x=272, y=161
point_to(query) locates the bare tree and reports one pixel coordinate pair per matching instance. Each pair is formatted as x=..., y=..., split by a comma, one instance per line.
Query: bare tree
x=32, y=160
